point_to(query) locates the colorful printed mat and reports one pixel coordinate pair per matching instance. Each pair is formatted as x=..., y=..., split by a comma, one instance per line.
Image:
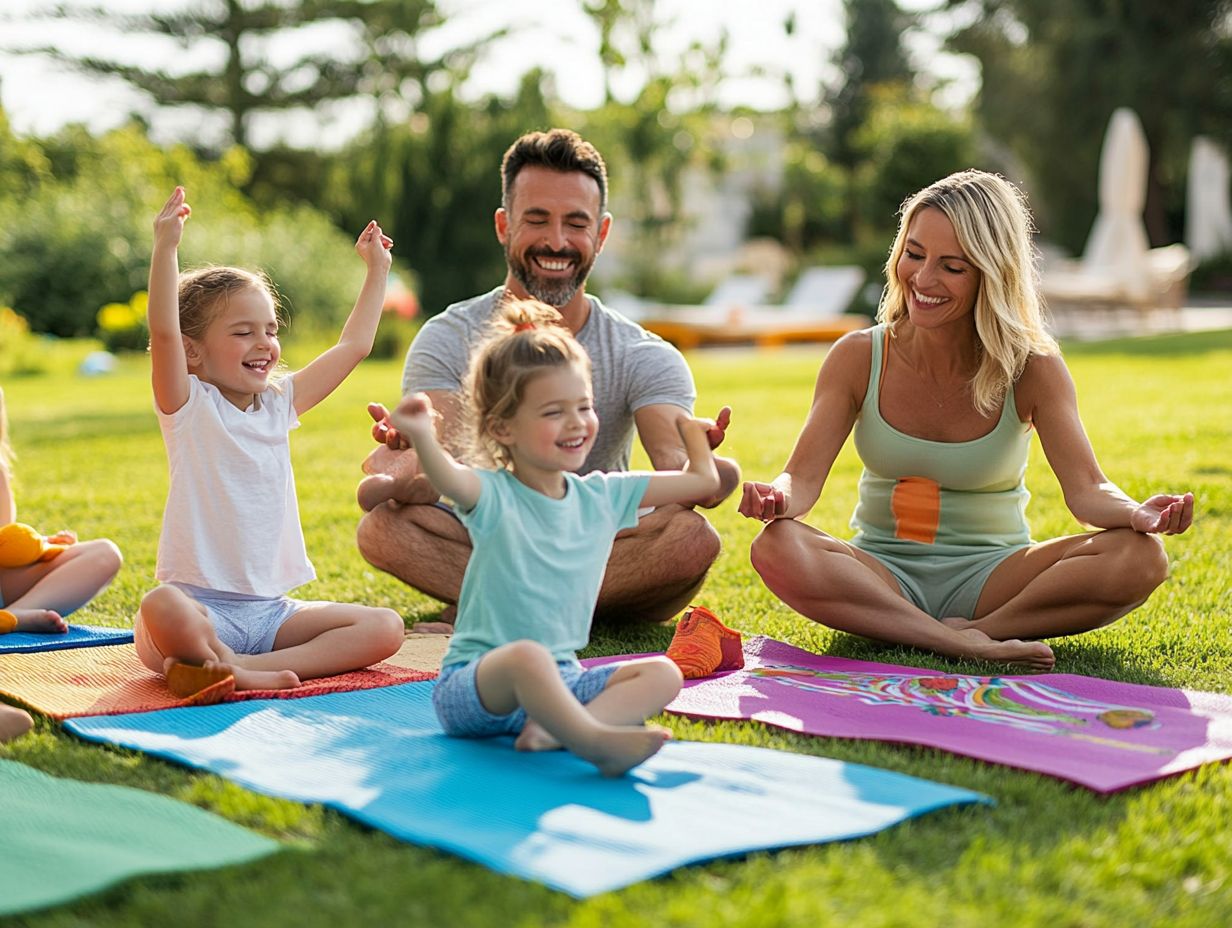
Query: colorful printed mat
x=62, y=839
x=77, y=636
x=1103, y=735
x=112, y=680
x=380, y=757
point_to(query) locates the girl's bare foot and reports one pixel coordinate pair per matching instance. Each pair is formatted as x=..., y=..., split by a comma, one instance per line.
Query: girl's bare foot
x=615, y=750
x=40, y=621
x=246, y=679
x=534, y=738
x=1032, y=656
x=14, y=722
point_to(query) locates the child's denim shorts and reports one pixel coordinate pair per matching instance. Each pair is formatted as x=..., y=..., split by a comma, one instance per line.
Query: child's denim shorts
x=462, y=715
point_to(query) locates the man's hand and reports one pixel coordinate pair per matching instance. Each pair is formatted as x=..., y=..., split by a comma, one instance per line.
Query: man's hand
x=383, y=431
x=716, y=429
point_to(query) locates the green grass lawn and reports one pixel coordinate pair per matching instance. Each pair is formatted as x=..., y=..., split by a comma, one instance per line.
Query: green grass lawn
x=1157, y=410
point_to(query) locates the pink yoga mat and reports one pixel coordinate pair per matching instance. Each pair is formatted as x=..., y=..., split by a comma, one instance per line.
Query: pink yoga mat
x=1103, y=735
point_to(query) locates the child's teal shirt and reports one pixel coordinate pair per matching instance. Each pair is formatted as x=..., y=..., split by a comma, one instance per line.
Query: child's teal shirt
x=537, y=562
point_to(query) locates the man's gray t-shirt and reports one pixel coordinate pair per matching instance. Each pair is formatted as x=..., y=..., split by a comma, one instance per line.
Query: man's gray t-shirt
x=631, y=368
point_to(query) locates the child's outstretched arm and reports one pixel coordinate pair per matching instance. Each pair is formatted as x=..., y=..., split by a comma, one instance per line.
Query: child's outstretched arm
x=700, y=477
x=413, y=418
x=320, y=378
x=167, y=360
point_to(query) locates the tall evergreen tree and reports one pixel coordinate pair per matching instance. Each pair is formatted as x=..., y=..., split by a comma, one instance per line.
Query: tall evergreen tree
x=384, y=60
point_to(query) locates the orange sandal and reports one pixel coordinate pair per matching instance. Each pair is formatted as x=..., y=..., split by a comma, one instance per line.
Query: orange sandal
x=703, y=645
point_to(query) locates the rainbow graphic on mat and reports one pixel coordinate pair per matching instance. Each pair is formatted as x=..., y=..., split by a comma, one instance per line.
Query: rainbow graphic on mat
x=1022, y=704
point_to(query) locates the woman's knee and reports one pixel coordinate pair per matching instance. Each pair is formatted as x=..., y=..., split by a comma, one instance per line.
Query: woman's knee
x=777, y=550
x=1139, y=564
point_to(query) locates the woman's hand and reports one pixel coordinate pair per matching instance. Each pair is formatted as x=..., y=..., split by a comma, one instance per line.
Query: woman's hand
x=763, y=501
x=169, y=223
x=1164, y=514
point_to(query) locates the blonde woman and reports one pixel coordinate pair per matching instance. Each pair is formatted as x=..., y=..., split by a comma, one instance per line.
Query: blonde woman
x=943, y=395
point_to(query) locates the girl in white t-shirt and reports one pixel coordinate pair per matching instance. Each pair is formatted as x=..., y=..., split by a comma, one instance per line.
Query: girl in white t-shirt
x=231, y=545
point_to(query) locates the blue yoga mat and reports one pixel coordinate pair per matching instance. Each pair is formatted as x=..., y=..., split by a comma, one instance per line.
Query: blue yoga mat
x=77, y=636
x=380, y=757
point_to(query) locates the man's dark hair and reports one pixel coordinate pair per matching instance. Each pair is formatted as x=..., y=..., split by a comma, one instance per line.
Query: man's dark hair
x=559, y=150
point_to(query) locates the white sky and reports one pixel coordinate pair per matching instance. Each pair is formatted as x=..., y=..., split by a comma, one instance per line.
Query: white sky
x=40, y=96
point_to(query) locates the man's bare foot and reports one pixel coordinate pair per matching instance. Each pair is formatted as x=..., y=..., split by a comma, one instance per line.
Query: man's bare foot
x=616, y=750
x=442, y=626
x=1032, y=656
x=534, y=738
x=14, y=722
x=374, y=490
x=40, y=621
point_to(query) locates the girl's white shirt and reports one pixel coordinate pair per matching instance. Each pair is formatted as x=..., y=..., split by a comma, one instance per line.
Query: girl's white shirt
x=232, y=519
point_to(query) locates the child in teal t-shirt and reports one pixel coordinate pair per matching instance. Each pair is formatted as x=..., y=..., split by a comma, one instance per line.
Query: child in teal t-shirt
x=541, y=537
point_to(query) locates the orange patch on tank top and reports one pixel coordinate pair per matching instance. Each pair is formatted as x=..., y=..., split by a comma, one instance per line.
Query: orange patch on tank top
x=916, y=505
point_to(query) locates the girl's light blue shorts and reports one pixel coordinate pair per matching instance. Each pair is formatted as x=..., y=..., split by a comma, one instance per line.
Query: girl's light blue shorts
x=245, y=624
x=462, y=715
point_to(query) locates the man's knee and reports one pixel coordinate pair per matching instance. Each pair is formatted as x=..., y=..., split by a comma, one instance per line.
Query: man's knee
x=372, y=537
x=694, y=543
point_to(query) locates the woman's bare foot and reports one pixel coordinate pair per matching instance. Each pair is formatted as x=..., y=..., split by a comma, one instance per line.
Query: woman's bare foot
x=14, y=722
x=534, y=738
x=40, y=621
x=956, y=622
x=1032, y=656
x=616, y=750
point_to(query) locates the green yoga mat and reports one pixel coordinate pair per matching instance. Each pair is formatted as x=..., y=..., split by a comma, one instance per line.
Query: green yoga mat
x=62, y=839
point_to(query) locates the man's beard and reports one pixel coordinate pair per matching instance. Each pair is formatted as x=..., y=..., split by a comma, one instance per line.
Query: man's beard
x=554, y=291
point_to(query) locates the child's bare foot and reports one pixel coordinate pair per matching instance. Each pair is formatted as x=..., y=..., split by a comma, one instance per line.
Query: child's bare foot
x=615, y=750
x=1033, y=656
x=534, y=738
x=246, y=679
x=14, y=722
x=40, y=621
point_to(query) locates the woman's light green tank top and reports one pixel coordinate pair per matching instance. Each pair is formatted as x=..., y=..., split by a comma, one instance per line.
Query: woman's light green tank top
x=943, y=494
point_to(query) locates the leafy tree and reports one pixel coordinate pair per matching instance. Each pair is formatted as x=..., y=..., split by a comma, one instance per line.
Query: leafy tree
x=1053, y=73
x=385, y=60
x=78, y=237
x=434, y=182
x=871, y=56
x=650, y=141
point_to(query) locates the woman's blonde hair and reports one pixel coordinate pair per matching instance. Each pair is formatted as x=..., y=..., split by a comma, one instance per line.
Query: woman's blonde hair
x=527, y=338
x=993, y=225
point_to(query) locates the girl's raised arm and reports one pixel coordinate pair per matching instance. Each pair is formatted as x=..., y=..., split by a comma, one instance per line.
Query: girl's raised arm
x=414, y=419
x=170, y=367
x=321, y=377
x=700, y=478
